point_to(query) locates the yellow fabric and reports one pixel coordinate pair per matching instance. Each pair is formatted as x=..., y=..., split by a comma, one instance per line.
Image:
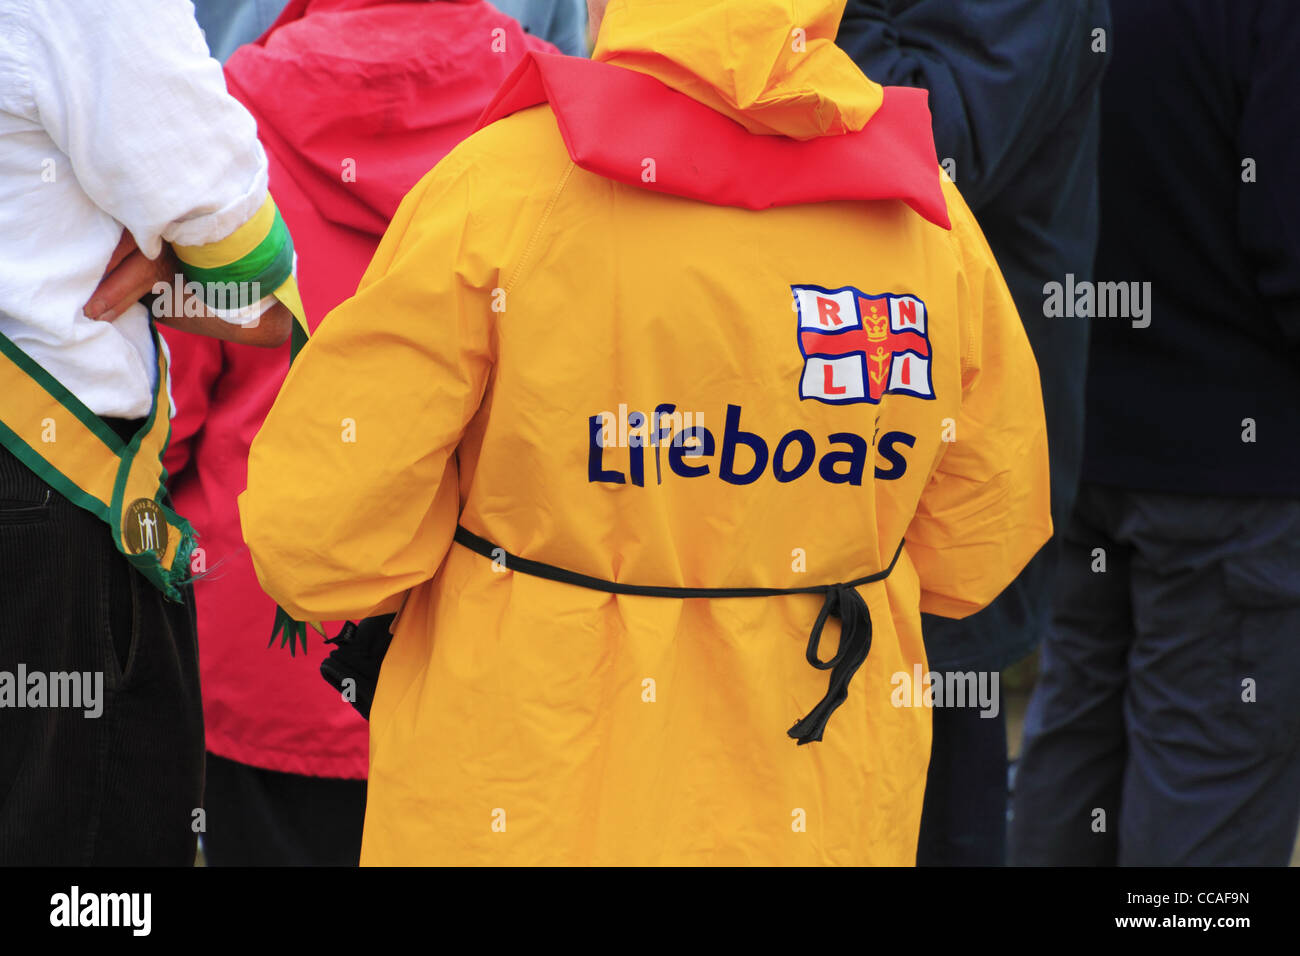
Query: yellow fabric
x=780, y=72
x=523, y=721
x=142, y=480
x=57, y=434
x=291, y=298
x=66, y=444
x=235, y=246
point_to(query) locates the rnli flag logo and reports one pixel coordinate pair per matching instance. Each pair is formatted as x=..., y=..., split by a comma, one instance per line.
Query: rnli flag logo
x=858, y=347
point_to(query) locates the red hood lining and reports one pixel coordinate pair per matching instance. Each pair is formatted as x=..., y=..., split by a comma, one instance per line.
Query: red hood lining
x=613, y=119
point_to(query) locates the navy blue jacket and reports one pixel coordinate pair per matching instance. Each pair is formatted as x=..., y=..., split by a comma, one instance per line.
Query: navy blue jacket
x=1202, y=95
x=1014, y=89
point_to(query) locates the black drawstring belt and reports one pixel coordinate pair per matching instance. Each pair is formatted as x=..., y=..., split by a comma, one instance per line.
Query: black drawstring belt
x=842, y=602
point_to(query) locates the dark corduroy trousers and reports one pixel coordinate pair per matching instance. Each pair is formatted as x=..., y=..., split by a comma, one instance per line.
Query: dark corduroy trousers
x=123, y=787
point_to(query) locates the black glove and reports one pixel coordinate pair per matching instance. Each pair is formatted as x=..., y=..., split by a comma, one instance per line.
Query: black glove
x=352, y=668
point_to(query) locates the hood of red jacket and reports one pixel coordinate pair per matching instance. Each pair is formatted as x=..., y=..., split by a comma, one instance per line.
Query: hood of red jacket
x=356, y=99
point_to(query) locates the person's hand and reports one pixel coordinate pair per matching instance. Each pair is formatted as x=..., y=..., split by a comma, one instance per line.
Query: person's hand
x=131, y=275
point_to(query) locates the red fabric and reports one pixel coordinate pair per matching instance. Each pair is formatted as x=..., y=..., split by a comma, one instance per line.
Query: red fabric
x=393, y=104
x=297, y=9
x=391, y=86
x=613, y=119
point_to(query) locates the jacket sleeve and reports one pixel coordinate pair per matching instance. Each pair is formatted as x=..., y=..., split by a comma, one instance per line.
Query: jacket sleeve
x=1000, y=73
x=352, y=481
x=129, y=93
x=986, y=510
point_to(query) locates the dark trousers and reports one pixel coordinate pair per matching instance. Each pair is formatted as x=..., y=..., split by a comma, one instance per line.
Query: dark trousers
x=262, y=817
x=964, y=816
x=1165, y=728
x=123, y=787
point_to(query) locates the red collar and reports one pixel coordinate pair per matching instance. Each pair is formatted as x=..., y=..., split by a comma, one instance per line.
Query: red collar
x=613, y=118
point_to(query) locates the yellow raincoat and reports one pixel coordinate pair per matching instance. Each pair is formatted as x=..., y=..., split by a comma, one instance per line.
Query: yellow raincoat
x=655, y=390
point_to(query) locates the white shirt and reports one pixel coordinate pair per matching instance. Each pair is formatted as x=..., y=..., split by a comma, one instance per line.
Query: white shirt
x=112, y=114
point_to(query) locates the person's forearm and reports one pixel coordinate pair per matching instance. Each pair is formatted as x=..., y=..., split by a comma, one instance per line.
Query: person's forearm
x=130, y=275
x=269, y=330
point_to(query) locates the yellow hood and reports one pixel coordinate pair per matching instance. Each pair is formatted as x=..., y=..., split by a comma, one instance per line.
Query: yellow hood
x=771, y=65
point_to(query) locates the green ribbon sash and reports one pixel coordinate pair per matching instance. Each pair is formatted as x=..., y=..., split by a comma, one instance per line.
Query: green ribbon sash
x=74, y=452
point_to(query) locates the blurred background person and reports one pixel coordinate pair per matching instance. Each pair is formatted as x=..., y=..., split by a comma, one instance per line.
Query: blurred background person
x=228, y=24
x=560, y=22
x=1014, y=88
x=355, y=100
x=1165, y=729
x=232, y=23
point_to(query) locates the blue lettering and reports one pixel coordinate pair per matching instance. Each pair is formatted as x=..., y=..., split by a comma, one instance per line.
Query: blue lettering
x=896, y=460
x=658, y=433
x=678, y=451
x=733, y=436
x=636, y=444
x=596, y=455
x=808, y=451
x=855, y=458
x=844, y=463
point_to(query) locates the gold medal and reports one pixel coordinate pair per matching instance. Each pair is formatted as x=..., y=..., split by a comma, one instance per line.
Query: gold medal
x=144, y=527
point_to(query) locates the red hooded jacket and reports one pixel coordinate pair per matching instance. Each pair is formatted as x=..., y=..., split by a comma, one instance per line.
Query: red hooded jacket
x=355, y=100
